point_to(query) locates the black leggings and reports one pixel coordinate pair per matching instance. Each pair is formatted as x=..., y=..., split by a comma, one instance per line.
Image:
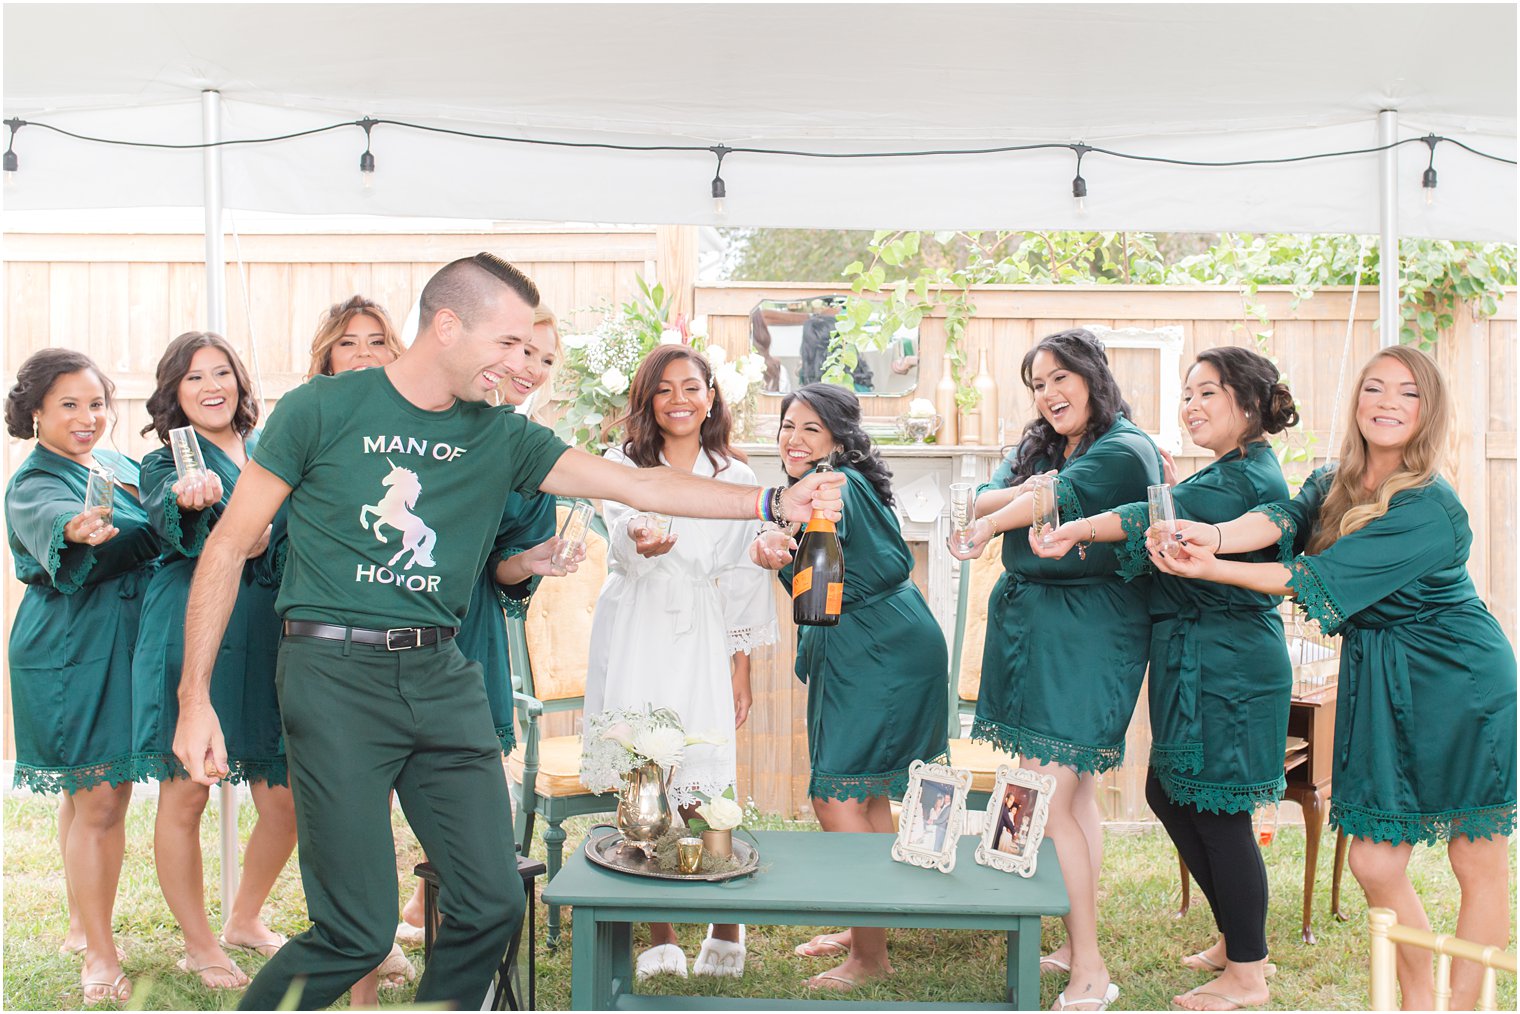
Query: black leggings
x=1221, y=852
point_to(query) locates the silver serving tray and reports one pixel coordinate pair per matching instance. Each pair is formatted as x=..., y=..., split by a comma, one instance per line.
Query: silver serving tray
x=602, y=849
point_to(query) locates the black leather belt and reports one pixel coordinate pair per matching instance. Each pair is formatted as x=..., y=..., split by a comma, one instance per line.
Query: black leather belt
x=394, y=639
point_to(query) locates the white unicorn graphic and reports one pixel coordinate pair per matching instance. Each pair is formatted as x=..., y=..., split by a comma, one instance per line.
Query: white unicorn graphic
x=395, y=509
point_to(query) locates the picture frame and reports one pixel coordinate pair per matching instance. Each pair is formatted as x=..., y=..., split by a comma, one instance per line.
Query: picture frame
x=933, y=815
x=1015, y=821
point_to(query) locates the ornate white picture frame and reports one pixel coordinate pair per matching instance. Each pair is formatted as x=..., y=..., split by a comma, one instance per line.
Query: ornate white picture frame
x=933, y=813
x=1015, y=821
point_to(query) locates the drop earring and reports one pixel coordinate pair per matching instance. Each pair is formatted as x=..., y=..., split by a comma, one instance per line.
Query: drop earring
x=36, y=429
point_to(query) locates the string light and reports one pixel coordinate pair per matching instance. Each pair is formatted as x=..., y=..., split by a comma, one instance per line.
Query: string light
x=12, y=163
x=1428, y=180
x=1078, y=184
x=367, y=160
x=719, y=190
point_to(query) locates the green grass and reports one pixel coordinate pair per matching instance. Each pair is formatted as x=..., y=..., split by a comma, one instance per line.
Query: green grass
x=1141, y=939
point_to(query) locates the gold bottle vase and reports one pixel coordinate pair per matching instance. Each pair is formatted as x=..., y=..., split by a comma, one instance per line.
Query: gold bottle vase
x=643, y=810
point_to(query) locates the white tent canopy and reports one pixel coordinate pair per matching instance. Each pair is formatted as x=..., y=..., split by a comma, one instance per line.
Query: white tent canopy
x=1210, y=82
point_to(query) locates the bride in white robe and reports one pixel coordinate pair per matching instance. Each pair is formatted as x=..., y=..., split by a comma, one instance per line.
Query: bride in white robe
x=678, y=614
x=667, y=627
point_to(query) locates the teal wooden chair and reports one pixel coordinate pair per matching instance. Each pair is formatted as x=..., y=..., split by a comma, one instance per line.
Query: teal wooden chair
x=546, y=769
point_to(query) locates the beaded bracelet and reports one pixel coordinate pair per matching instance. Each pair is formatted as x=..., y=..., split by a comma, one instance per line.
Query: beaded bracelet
x=778, y=506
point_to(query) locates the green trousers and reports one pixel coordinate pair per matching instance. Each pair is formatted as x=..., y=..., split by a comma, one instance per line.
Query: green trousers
x=358, y=720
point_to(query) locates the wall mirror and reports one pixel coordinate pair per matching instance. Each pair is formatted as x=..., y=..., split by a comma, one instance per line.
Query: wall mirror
x=793, y=335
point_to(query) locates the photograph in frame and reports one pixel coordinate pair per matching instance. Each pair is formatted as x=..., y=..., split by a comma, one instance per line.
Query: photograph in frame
x=1015, y=821
x=933, y=815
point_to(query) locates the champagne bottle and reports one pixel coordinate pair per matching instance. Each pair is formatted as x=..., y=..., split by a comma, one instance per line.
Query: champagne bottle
x=818, y=574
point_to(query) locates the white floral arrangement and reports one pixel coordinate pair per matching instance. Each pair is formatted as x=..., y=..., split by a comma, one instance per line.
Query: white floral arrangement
x=921, y=408
x=737, y=377
x=723, y=813
x=622, y=740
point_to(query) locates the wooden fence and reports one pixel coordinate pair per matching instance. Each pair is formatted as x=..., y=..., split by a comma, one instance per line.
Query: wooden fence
x=121, y=297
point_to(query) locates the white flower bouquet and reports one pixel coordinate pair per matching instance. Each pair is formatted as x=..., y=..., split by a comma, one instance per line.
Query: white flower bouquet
x=623, y=739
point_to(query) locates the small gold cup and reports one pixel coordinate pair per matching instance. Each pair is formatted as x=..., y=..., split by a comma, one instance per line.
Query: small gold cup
x=689, y=854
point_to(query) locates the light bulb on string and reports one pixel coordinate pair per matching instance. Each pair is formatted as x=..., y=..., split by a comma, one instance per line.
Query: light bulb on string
x=1078, y=184
x=719, y=188
x=1428, y=179
x=367, y=160
x=12, y=163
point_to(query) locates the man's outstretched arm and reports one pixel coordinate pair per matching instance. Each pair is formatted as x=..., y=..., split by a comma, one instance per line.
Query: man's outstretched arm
x=668, y=491
x=198, y=739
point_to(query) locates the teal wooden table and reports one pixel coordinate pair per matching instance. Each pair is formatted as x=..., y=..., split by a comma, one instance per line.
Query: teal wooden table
x=810, y=879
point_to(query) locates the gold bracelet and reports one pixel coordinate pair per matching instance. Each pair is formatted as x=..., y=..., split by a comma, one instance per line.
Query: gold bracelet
x=1092, y=536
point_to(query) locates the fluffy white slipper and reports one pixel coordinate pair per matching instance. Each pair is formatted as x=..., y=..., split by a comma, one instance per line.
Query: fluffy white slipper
x=661, y=960
x=721, y=957
x=408, y=935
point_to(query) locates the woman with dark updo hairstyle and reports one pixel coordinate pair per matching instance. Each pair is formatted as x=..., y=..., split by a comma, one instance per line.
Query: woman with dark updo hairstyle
x=1067, y=640
x=877, y=682
x=1220, y=678
x=72, y=639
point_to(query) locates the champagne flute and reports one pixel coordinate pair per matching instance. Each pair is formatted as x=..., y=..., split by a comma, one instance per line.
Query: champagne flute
x=1047, y=513
x=960, y=514
x=100, y=490
x=187, y=453
x=1163, y=510
x=573, y=532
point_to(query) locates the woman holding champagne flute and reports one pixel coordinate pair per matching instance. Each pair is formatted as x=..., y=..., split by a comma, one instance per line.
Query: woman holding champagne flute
x=877, y=682
x=70, y=648
x=203, y=395
x=1425, y=722
x=1067, y=640
x=1220, y=679
x=681, y=609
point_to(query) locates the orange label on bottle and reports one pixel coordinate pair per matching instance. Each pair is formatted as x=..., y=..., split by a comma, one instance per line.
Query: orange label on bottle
x=835, y=604
x=802, y=581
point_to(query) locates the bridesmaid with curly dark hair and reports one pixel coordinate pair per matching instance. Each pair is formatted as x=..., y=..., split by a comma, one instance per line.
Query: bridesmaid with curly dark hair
x=878, y=682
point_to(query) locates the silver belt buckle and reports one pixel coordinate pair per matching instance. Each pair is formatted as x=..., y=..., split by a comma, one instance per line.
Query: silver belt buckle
x=391, y=643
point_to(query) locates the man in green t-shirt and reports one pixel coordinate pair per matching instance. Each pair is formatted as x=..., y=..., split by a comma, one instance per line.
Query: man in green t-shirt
x=396, y=479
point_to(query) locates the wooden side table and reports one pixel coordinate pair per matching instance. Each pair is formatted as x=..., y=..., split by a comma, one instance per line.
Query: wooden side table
x=508, y=995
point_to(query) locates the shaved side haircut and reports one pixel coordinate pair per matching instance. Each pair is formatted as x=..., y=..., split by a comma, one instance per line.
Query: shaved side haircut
x=471, y=283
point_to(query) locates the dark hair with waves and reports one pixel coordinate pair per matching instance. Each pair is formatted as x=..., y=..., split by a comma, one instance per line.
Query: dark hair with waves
x=1079, y=351
x=36, y=378
x=163, y=404
x=839, y=410
x=1257, y=386
x=644, y=437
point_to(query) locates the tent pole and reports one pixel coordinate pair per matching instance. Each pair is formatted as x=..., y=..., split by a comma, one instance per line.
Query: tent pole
x=216, y=320
x=1389, y=323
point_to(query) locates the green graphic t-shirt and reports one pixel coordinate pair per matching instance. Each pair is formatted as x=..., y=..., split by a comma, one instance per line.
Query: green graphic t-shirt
x=393, y=508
